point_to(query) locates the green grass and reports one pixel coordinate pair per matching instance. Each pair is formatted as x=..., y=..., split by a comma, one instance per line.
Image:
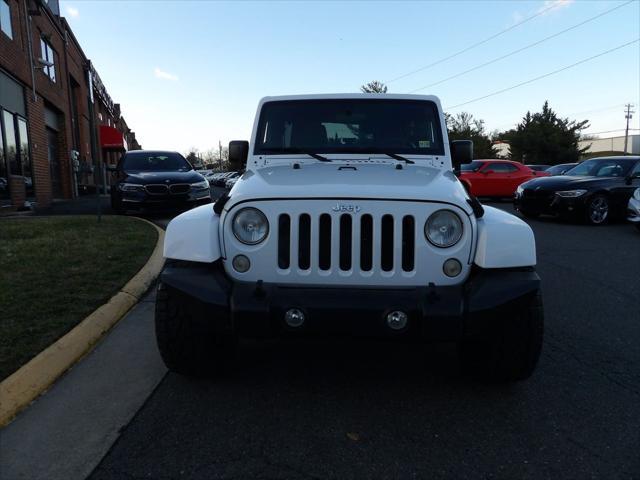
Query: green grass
x=54, y=271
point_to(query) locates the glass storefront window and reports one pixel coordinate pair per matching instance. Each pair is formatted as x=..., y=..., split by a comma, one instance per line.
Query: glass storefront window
x=10, y=146
x=25, y=154
x=4, y=177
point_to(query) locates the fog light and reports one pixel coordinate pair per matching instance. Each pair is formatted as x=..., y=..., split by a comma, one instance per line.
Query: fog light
x=452, y=267
x=397, y=320
x=241, y=263
x=294, y=317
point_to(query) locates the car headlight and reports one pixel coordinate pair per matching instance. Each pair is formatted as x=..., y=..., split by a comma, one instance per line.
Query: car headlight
x=202, y=184
x=443, y=228
x=636, y=194
x=571, y=193
x=250, y=226
x=519, y=190
x=130, y=187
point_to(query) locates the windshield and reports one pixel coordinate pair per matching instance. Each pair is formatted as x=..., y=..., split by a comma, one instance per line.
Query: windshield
x=471, y=167
x=600, y=167
x=155, y=162
x=349, y=126
x=557, y=169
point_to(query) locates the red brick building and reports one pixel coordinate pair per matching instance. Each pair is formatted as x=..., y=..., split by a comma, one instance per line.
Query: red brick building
x=46, y=120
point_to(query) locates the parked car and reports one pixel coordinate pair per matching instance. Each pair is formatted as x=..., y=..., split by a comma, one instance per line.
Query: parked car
x=346, y=225
x=220, y=180
x=538, y=168
x=633, y=209
x=560, y=169
x=156, y=179
x=496, y=178
x=594, y=190
x=231, y=180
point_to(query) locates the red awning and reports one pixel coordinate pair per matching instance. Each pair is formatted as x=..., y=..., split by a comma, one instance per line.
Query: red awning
x=111, y=138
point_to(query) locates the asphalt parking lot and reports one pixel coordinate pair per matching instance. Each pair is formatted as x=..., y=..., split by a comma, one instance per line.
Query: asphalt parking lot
x=345, y=409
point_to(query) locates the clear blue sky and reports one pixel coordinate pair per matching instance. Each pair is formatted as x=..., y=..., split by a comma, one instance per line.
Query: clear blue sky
x=190, y=73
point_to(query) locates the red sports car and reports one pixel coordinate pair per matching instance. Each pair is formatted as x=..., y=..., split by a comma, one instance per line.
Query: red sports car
x=496, y=178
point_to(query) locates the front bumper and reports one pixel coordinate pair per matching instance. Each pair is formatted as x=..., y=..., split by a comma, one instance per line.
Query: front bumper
x=633, y=211
x=437, y=313
x=548, y=203
x=140, y=200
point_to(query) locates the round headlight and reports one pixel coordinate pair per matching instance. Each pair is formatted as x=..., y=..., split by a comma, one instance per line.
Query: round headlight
x=443, y=228
x=250, y=226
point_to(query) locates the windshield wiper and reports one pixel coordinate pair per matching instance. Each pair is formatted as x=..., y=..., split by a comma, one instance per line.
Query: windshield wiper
x=306, y=152
x=398, y=157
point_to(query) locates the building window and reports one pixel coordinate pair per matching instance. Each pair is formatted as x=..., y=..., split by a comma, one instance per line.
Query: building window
x=15, y=155
x=48, y=55
x=5, y=18
x=10, y=144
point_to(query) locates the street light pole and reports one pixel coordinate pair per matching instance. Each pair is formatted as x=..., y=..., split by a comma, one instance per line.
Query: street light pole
x=94, y=143
x=220, y=154
x=628, y=116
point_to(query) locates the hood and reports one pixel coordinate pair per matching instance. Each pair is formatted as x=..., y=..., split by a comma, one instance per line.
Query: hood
x=145, y=178
x=565, y=182
x=341, y=181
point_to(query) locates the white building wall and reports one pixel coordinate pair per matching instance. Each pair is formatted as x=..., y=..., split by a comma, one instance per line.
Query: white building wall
x=613, y=144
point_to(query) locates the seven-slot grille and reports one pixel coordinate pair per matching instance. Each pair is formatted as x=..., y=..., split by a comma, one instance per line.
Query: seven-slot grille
x=361, y=242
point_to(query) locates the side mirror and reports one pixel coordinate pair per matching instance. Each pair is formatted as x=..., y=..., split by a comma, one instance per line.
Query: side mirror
x=630, y=178
x=238, y=153
x=461, y=152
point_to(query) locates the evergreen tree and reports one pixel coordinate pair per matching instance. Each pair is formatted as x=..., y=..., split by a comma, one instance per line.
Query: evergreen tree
x=545, y=138
x=463, y=126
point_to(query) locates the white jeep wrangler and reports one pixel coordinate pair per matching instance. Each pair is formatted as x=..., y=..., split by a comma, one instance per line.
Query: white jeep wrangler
x=349, y=218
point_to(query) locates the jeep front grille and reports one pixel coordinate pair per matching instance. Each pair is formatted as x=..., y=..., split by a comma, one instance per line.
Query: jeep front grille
x=361, y=243
x=378, y=243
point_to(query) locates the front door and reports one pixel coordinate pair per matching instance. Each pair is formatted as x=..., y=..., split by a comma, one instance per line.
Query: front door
x=54, y=163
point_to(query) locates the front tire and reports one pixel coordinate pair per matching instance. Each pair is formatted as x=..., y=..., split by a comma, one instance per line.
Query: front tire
x=116, y=206
x=597, y=210
x=187, y=340
x=529, y=214
x=512, y=347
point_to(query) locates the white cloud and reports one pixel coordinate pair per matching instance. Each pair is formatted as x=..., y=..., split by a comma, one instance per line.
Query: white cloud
x=72, y=12
x=516, y=17
x=164, y=75
x=551, y=6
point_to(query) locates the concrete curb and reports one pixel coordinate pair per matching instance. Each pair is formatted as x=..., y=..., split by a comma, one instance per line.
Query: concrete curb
x=22, y=387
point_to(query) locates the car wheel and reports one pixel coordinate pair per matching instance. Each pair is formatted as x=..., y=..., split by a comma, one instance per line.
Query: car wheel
x=597, y=211
x=116, y=206
x=529, y=214
x=187, y=341
x=511, y=349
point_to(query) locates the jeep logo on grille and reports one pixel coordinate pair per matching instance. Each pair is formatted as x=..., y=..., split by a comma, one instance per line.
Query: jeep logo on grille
x=346, y=207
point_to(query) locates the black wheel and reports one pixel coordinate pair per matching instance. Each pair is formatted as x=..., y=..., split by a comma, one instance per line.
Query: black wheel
x=529, y=214
x=511, y=349
x=116, y=206
x=187, y=341
x=597, y=210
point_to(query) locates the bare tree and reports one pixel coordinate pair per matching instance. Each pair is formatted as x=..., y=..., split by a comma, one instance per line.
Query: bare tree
x=374, y=87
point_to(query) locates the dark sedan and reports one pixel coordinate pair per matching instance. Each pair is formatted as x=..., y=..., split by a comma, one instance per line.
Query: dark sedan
x=538, y=168
x=157, y=180
x=560, y=169
x=594, y=191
